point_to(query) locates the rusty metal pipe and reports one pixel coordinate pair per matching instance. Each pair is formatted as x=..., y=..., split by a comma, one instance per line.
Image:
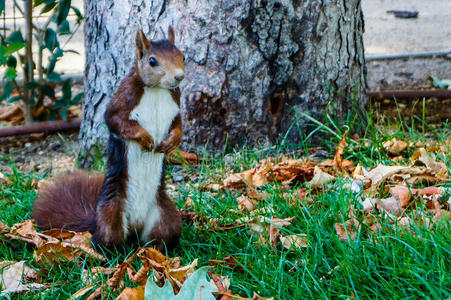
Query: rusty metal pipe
x=409, y=94
x=50, y=126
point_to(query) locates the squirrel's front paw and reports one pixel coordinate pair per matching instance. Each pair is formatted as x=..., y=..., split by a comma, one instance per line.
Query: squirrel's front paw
x=167, y=146
x=145, y=140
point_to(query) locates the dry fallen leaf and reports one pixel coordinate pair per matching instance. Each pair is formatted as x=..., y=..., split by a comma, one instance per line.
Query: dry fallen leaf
x=381, y=173
x=422, y=157
x=320, y=178
x=395, y=146
x=291, y=242
x=53, y=245
x=245, y=203
x=135, y=293
x=16, y=277
x=11, y=113
x=229, y=261
x=339, y=153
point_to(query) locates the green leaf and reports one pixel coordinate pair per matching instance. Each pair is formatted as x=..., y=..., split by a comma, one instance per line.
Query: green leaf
x=32, y=85
x=11, y=62
x=78, y=14
x=78, y=98
x=2, y=6
x=48, y=7
x=13, y=47
x=63, y=11
x=50, y=39
x=63, y=113
x=48, y=90
x=71, y=51
x=53, y=59
x=7, y=90
x=195, y=287
x=67, y=91
x=54, y=77
x=64, y=27
x=15, y=36
x=10, y=73
x=38, y=2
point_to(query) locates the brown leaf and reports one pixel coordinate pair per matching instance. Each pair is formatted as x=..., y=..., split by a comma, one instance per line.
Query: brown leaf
x=245, y=203
x=16, y=277
x=339, y=153
x=274, y=234
x=320, y=178
x=249, y=177
x=345, y=232
x=422, y=157
x=395, y=146
x=381, y=173
x=294, y=241
x=230, y=262
x=135, y=293
x=402, y=193
x=11, y=113
x=4, y=179
x=258, y=297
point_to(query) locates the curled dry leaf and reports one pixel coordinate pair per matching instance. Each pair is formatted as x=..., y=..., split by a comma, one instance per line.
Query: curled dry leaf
x=422, y=157
x=245, y=203
x=53, y=245
x=288, y=171
x=294, y=241
x=16, y=277
x=258, y=297
x=230, y=262
x=339, y=152
x=263, y=226
x=320, y=178
x=395, y=146
x=11, y=113
x=250, y=177
x=135, y=293
x=164, y=269
x=381, y=173
x=4, y=179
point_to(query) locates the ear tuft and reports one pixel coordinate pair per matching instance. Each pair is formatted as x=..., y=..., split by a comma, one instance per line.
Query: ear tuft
x=171, y=34
x=142, y=43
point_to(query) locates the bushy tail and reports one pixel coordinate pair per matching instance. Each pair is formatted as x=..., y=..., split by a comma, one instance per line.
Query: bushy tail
x=68, y=202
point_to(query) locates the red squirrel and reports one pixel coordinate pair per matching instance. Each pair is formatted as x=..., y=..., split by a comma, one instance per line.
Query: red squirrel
x=130, y=200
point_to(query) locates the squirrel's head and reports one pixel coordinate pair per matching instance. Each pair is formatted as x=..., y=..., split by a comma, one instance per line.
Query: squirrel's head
x=159, y=63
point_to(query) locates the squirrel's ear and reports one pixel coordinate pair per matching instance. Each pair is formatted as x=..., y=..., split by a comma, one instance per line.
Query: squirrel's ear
x=171, y=34
x=142, y=44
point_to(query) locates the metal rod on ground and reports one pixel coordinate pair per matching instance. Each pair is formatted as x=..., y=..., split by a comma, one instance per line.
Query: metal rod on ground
x=50, y=126
x=410, y=94
x=407, y=55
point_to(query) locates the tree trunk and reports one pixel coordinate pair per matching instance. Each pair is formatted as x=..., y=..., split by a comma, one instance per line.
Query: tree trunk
x=250, y=64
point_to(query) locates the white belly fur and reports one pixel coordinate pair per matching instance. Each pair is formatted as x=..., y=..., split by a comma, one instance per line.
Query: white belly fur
x=155, y=113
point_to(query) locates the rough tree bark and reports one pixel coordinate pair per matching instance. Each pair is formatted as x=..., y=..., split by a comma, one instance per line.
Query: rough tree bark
x=250, y=64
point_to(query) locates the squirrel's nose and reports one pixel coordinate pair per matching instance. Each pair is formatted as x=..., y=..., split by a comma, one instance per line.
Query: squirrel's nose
x=179, y=77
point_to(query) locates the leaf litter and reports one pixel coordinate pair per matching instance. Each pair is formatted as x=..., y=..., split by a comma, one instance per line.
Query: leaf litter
x=299, y=181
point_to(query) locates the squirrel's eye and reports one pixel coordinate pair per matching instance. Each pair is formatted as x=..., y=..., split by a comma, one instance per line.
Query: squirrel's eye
x=153, y=61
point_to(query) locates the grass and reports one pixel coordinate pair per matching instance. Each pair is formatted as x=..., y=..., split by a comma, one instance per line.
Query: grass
x=398, y=264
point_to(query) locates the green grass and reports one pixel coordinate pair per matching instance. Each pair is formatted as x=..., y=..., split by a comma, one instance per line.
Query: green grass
x=394, y=265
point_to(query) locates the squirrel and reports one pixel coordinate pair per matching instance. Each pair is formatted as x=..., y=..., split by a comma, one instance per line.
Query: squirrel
x=130, y=200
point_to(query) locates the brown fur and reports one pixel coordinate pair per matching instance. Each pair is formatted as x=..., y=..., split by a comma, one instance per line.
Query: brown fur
x=118, y=111
x=68, y=202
